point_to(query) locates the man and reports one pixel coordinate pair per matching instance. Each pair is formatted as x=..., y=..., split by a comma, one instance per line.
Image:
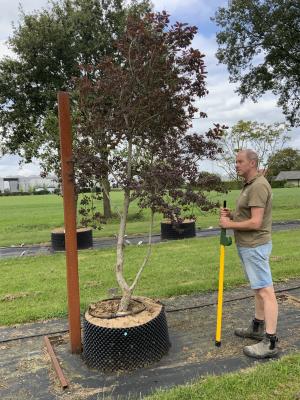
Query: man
x=252, y=222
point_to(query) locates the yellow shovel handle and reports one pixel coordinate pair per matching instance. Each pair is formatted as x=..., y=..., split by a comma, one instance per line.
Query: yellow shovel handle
x=220, y=296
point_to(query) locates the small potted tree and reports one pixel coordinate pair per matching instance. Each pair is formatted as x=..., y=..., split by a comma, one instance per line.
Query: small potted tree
x=140, y=107
x=180, y=221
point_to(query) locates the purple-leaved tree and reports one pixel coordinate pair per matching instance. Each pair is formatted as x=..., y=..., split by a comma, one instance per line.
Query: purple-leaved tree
x=136, y=110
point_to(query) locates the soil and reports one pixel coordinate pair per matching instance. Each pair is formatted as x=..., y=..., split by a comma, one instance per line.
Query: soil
x=109, y=308
x=143, y=310
x=15, y=296
x=185, y=221
x=295, y=301
x=62, y=230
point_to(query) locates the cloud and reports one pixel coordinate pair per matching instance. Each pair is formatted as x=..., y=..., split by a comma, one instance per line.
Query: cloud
x=10, y=166
x=10, y=12
x=194, y=12
x=202, y=9
x=4, y=50
x=174, y=6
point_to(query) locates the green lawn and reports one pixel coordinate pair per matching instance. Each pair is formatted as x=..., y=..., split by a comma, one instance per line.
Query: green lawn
x=30, y=219
x=277, y=380
x=33, y=288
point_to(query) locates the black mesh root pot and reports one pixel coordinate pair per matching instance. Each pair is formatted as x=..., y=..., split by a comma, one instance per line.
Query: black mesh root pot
x=114, y=349
x=182, y=230
x=84, y=240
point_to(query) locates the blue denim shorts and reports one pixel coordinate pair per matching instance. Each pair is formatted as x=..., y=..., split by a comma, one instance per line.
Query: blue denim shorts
x=255, y=261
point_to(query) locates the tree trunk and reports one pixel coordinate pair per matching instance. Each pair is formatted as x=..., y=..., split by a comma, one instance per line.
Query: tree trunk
x=106, y=198
x=124, y=303
x=126, y=292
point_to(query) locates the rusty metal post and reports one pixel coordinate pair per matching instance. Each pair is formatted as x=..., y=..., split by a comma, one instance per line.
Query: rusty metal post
x=70, y=221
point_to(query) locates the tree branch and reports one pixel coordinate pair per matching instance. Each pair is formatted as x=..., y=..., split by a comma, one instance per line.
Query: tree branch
x=146, y=259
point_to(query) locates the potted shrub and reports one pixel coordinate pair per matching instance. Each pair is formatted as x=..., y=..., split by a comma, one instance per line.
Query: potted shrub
x=140, y=108
x=84, y=238
x=90, y=219
x=180, y=229
x=180, y=221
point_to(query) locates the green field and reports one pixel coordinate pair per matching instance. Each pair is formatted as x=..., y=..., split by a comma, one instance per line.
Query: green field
x=35, y=287
x=30, y=219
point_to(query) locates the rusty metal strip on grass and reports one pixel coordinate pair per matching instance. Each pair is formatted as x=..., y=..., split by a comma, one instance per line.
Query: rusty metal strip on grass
x=55, y=363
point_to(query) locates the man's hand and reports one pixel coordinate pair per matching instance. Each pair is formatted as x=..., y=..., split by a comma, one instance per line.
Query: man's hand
x=224, y=212
x=225, y=222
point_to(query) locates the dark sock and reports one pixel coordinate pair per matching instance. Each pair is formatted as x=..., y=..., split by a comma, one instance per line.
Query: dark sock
x=273, y=339
x=259, y=321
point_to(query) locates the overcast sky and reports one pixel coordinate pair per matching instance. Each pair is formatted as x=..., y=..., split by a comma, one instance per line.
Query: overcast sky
x=222, y=104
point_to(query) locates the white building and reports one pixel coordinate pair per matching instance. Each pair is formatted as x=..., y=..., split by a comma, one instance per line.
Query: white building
x=27, y=183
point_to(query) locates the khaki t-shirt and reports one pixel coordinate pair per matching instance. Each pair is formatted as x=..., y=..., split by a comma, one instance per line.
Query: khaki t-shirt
x=255, y=193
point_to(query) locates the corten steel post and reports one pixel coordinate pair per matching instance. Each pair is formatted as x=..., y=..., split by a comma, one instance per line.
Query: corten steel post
x=70, y=221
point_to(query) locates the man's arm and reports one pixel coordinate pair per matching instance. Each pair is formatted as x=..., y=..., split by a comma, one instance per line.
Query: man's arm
x=252, y=224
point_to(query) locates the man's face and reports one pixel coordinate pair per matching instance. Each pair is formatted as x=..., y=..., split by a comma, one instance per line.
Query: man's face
x=243, y=165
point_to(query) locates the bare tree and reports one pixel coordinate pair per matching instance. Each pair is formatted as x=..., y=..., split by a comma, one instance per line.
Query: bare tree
x=262, y=138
